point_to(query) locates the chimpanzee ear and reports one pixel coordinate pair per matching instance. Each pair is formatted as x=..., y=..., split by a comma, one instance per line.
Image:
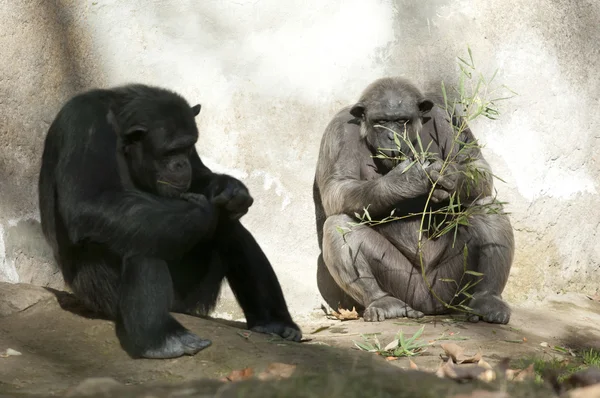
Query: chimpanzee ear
x=425, y=106
x=358, y=110
x=196, y=109
x=134, y=134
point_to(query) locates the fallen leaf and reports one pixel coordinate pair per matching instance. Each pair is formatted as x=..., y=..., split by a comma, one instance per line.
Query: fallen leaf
x=239, y=375
x=345, y=315
x=245, y=334
x=487, y=375
x=455, y=352
x=391, y=358
x=391, y=346
x=317, y=330
x=451, y=371
x=594, y=297
x=484, y=364
x=9, y=353
x=412, y=364
x=526, y=374
x=277, y=370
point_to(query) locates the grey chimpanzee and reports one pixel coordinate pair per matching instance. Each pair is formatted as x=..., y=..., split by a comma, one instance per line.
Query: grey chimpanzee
x=141, y=227
x=376, y=268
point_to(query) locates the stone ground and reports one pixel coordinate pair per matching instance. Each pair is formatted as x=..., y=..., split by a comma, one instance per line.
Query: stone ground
x=61, y=346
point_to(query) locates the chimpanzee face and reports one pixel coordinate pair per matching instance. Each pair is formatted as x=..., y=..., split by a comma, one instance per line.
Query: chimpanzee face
x=158, y=140
x=389, y=116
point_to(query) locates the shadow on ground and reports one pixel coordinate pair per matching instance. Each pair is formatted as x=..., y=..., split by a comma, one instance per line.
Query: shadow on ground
x=62, y=345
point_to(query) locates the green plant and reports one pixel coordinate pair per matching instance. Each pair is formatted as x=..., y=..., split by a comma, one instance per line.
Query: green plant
x=399, y=347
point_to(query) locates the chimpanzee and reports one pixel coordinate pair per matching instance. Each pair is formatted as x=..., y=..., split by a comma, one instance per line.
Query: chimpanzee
x=141, y=227
x=377, y=268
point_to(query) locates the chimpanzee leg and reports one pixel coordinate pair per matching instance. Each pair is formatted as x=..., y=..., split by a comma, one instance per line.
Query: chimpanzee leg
x=144, y=325
x=254, y=282
x=333, y=295
x=493, y=250
x=371, y=270
x=94, y=275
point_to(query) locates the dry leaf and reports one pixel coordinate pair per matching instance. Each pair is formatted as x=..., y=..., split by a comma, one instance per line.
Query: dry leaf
x=484, y=364
x=594, y=297
x=455, y=352
x=487, y=375
x=9, y=353
x=525, y=374
x=413, y=365
x=239, y=375
x=277, y=370
x=391, y=346
x=451, y=371
x=391, y=358
x=345, y=315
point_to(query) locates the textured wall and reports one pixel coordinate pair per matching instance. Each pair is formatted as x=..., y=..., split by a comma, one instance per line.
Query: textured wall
x=271, y=73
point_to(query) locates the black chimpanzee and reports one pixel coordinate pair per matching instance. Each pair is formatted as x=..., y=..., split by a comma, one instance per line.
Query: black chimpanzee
x=378, y=268
x=140, y=226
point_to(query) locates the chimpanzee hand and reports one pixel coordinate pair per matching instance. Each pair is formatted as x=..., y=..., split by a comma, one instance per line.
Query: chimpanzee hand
x=449, y=183
x=230, y=194
x=413, y=179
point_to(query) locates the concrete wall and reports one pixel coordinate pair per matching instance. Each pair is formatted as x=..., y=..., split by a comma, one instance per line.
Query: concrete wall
x=271, y=73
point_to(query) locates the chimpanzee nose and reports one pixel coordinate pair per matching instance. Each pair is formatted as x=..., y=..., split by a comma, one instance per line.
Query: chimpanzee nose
x=178, y=165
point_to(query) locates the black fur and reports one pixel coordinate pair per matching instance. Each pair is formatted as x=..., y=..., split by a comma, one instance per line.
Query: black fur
x=140, y=227
x=377, y=268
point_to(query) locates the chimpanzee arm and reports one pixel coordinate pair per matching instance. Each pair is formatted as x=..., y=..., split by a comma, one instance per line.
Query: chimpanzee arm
x=468, y=174
x=339, y=176
x=139, y=223
x=225, y=191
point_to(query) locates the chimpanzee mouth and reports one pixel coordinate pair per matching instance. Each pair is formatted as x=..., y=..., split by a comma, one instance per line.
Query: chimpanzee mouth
x=167, y=187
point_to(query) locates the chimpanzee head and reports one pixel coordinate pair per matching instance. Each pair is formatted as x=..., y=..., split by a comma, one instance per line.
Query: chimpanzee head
x=387, y=106
x=157, y=135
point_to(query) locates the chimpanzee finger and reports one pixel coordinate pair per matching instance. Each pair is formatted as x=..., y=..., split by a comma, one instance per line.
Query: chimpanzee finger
x=240, y=200
x=447, y=182
x=195, y=198
x=225, y=196
x=439, y=195
x=436, y=166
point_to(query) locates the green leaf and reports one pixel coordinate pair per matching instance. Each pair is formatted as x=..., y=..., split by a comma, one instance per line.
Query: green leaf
x=473, y=273
x=397, y=140
x=409, y=166
x=364, y=346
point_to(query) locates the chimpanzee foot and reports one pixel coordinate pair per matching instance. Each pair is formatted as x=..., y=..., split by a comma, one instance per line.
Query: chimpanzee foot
x=490, y=308
x=286, y=330
x=176, y=345
x=192, y=343
x=389, y=307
